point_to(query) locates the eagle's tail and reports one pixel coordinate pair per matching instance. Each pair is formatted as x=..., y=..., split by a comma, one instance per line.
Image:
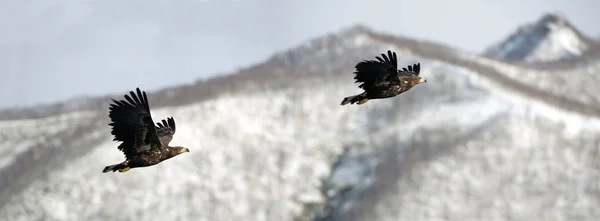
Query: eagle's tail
x=360, y=99
x=121, y=167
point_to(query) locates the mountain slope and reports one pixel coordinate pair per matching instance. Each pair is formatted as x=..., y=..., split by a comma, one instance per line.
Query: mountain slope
x=469, y=144
x=551, y=38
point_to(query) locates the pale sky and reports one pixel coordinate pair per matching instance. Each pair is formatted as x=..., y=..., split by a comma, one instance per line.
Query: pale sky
x=51, y=50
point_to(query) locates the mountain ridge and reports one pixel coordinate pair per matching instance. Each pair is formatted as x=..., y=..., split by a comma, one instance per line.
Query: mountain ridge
x=204, y=88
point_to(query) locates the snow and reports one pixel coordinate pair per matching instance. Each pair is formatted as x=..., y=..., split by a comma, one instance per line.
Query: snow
x=561, y=42
x=26, y=134
x=510, y=46
x=363, y=39
x=578, y=84
x=512, y=170
x=537, y=106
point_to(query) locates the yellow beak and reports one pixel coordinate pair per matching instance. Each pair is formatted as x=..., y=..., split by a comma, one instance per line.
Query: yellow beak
x=422, y=80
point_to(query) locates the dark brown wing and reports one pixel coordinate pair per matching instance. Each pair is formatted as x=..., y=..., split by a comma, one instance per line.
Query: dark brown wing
x=373, y=73
x=165, y=131
x=415, y=69
x=132, y=124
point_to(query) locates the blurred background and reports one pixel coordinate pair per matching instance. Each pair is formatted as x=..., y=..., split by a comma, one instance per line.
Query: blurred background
x=507, y=126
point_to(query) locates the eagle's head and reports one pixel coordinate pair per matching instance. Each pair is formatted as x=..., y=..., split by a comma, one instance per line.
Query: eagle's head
x=413, y=80
x=174, y=151
x=183, y=150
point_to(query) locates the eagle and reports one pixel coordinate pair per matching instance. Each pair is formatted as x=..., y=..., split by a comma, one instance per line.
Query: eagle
x=143, y=143
x=382, y=79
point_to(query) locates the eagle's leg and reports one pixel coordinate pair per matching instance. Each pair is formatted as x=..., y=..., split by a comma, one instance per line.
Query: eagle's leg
x=122, y=167
x=360, y=99
x=123, y=170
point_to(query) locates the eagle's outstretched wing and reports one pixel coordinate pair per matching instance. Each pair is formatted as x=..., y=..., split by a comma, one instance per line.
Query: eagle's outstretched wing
x=415, y=69
x=165, y=130
x=132, y=124
x=373, y=73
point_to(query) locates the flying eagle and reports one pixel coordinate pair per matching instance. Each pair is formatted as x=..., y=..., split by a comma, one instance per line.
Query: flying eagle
x=382, y=79
x=144, y=144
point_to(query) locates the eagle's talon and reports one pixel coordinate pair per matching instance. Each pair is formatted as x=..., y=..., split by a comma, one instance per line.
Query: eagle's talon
x=124, y=169
x=363, y=101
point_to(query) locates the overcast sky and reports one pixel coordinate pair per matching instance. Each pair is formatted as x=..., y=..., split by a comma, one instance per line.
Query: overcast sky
x=51, y=50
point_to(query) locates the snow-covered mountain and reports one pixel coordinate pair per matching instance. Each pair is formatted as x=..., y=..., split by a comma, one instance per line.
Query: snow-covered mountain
x=481, y=140
x=551, y=38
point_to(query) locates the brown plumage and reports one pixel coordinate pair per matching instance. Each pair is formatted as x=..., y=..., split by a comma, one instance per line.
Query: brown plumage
x=144, y=144
x=382, y=79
